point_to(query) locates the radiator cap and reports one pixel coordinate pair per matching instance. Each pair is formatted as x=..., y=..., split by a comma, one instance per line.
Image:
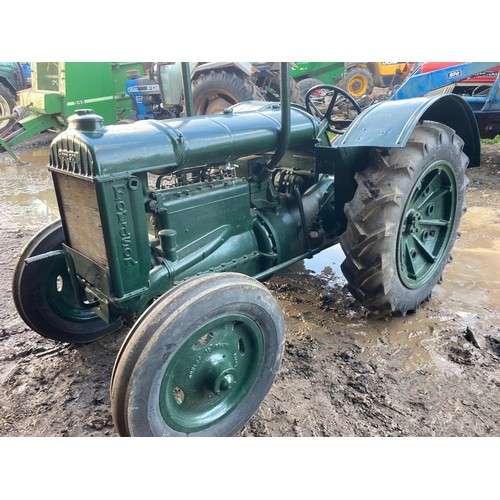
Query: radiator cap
x=86, y=121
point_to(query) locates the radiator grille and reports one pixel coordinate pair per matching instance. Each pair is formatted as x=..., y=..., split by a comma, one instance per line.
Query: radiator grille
x=70, y=154
x=80, y=215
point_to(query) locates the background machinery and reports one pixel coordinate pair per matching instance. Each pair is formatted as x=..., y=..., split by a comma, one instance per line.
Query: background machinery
x=477, y=82
x=14, y=77
x=470, y=85
x=309, y=74
x=357, y=78
x=59, y=88
x=170, y=227
x=215, y=86
x=361, y=77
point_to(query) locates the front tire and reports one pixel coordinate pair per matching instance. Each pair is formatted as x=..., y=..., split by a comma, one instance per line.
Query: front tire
x=200, y=360
x=44, y=296
x=403, y=220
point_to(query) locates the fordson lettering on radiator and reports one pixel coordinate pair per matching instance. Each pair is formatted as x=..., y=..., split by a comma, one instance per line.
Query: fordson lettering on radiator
x=124, y=233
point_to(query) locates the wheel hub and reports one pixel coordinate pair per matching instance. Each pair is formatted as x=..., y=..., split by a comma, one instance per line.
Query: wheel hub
x=356, y=85
x=225, y=381
x=217, y=374
x=427, y=223
x=211, y=373
x=413, y=222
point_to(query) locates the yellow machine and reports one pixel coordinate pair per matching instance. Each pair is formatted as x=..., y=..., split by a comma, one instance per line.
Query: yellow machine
x=360, y=77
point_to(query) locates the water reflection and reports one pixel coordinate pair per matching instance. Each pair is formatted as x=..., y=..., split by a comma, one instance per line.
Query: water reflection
x=326, y=264
x=27, y=197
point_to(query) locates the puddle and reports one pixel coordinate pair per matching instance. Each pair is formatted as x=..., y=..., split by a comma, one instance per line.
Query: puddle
x=472, y=280
x=470, y=291
x=27, y=197
x=326, y=264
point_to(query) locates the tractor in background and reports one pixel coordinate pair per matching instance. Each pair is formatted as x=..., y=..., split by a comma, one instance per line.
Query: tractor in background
x=472, y=85
x=309, y=74
x=215, y=87
x=360, y=78
x=357, y=78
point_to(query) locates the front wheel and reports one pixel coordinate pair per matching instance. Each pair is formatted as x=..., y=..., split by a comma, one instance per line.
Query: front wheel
x=403, y=220
x=44, y=295
x=200, y=360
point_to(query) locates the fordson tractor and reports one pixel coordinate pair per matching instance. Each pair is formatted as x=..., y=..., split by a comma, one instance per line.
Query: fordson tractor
x=171, y=227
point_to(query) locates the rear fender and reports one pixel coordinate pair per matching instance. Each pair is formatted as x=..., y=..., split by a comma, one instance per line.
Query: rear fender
x=389, y=124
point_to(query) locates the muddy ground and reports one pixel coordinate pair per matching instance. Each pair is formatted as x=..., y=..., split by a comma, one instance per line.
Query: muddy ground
x=344, y=373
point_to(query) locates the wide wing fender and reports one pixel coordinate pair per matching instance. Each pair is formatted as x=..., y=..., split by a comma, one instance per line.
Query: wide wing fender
x=389, y=124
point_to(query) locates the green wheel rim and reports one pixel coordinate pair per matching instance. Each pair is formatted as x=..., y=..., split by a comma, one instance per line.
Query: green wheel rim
x=211, y=373
x=427, y=224
x=60, y=296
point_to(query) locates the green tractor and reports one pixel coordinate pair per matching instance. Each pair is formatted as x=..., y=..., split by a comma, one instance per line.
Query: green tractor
x=170, y=228
x=309, y=74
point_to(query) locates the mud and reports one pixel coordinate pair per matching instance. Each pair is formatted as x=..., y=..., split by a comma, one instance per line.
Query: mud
x=345, y=372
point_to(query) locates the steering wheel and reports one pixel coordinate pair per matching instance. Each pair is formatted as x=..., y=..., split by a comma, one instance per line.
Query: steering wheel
x=314, y=100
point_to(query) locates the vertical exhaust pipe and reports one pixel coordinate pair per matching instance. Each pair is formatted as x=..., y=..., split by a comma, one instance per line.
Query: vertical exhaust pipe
x=284, y=139
x=285, y=131
x=188, y=94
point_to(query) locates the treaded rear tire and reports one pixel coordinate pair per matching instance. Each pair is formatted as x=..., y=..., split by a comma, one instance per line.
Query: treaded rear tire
x=378, y=215
x=305, y=84
x=217, y=90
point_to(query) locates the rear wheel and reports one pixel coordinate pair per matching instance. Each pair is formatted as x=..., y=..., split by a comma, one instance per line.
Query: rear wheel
x=44, y=297
x=358, y=81
x=7, y=104
x=200, y=360
x=305, y=84
x=296, y=96
x=217, y=90
x=403, y=220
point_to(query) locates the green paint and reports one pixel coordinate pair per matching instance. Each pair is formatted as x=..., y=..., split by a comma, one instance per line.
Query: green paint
x=211, y=373
x=426, y=225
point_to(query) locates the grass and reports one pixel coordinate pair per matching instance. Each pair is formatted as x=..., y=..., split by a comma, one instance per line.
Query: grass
x=495, y=140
